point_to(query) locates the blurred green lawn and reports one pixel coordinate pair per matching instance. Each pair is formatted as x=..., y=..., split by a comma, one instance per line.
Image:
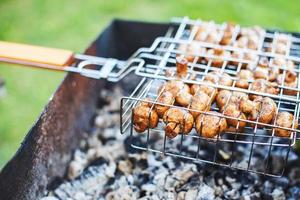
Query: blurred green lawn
x=74, y=24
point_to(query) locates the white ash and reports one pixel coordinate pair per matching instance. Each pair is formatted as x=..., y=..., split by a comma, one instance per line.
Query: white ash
x=104, y=168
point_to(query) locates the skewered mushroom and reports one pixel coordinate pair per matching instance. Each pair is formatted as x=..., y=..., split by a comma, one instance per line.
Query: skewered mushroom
x=209, y=125
x=144, y=117
x=286, y=120
x=177, y=121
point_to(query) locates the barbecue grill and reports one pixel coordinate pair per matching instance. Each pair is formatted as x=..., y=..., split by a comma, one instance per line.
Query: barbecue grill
x=56, y=127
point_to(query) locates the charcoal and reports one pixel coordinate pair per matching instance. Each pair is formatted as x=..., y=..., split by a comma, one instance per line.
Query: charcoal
x=278, y=194
x=105, y=166
x=294, y=192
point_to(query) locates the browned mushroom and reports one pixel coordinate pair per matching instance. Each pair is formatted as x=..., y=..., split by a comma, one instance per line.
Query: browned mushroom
x=263, y=109
x=181, y=66
x=224, y=95
x=290, y=80
x=286, y=120
x=219, y=78
x=177, y=121
x=166, y=98
x=220, y=55
x=184, y=98
x=232, y=110
x=263, y=86
x=244, y=77
x=209, y=90
x=209, y=125
x=228, y=33
x=144, y=117
x=174, y=86
x=200, y=102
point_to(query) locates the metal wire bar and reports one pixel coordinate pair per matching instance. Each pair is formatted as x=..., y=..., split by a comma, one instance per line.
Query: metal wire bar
x=160, y=59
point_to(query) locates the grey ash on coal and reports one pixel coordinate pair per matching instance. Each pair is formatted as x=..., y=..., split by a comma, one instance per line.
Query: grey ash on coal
x=106, y=167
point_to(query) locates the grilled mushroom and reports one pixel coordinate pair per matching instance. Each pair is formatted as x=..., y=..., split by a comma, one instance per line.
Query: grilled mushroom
x=244, y=76
x=219, y=78
x=263, y=109
x=209, y=90
x=290, y=80
x=232, y=110
x=181, y=66
x=144, y=117
x=224, y=95
x=174, y=86
x=228, y=33
x=200, y=102
x=285, y=119
x=219, y=54
x=263, y=86
x=166, y=98
x=184, y=98
x=210, y=125
x=177, y=121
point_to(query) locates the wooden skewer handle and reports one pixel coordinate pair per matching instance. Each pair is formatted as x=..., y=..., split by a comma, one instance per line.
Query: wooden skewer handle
x=35, y=55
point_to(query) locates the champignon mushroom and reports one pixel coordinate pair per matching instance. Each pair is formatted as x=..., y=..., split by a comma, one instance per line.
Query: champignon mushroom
x=177, y=121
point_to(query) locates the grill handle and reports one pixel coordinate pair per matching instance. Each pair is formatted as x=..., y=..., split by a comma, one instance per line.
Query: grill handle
x=35, y=56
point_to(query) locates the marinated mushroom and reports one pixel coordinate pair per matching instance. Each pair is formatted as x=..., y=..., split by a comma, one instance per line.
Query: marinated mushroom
x=174, y=86
x=200, y=102
x=232, y=110
x=178, y=121
x=209, y=90
x=209, y=125
x=244, y=76
x=181, y=66
x=228, y=33
x=219, y=54
x=263, y=109
x=219, y=78
x=224, y=95
x=286, y=120
x=166, y=98
x=144, y=117
x=263, y=86
x=184, y=98
x=290, y=80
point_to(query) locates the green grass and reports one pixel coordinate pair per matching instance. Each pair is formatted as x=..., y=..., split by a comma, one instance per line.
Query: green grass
x=73, y=24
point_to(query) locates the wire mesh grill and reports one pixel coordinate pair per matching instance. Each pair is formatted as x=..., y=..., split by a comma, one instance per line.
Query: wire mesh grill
x=227, y=149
